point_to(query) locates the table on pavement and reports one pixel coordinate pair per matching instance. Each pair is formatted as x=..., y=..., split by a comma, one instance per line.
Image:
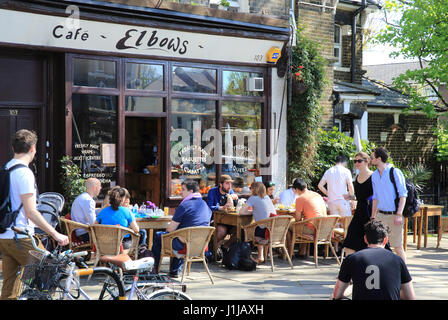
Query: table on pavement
x=425, y=211
x=230, y=218
x=151, y=224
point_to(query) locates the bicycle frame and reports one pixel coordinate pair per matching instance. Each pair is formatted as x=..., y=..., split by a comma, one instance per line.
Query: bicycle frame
x=72, y=278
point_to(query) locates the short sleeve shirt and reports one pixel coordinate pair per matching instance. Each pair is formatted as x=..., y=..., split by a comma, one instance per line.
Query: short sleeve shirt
x=192, y=213
x=336, y=179
x=122, y=217
x=377, y=274
x=22, y=182
x=261, y=208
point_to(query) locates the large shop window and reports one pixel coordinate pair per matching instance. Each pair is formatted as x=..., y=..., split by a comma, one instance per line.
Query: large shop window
x=94, y=137
x=241, y=133
x=190, y=157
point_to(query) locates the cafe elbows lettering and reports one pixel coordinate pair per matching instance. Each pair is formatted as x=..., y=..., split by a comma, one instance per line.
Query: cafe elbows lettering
x=135, y=39
x=132, y=39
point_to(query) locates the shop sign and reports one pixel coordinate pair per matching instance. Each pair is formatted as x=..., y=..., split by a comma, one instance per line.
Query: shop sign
x=33, y=29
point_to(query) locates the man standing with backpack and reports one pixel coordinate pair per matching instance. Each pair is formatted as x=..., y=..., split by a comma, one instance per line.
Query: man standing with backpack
x=22, y=193
x=384, y=206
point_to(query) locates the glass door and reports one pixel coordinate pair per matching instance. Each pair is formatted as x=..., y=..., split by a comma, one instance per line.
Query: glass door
x=142, y=159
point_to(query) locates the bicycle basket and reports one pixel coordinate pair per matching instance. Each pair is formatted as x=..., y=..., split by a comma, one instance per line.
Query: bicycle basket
x=41, y=277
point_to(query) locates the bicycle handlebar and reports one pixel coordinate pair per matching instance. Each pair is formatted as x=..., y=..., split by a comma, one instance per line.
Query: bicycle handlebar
x=68, y=253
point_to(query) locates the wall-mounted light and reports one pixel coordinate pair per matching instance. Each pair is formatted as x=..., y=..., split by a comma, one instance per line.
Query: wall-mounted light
x=408, y=136
x=383, y=136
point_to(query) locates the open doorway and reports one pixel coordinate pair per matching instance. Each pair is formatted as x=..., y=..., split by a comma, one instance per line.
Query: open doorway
x=142, y=159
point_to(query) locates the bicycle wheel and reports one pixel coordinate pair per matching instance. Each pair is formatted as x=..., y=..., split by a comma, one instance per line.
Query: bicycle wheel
x=168, y=294
x=103, y=284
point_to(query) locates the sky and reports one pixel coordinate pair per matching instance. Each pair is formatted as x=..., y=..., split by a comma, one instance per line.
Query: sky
x=379, y=54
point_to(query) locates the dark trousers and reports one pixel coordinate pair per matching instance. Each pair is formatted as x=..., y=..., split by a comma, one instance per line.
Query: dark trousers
x=176, y=264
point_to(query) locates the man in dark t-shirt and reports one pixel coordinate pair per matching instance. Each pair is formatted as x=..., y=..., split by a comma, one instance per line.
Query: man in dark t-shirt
x=192, y=212
x=377, y=273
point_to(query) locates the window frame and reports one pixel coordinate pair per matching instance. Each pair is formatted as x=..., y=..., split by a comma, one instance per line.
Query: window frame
x=167, y=94
x=336, y=45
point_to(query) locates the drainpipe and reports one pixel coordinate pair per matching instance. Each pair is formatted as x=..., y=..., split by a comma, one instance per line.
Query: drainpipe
x=353, y=56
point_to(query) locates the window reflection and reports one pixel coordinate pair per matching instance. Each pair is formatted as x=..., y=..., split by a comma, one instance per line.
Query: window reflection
x=94, y=73
x=189, y=158
x=194, y=80
x=144, y=76
x=241, y=129
x=236, y=83
x=94, y=137
x=144, y=104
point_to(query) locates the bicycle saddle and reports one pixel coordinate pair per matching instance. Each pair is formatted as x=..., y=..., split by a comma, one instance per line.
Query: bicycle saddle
x=127, y=264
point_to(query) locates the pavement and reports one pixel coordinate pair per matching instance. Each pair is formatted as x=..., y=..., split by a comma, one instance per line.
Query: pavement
x=428, y=268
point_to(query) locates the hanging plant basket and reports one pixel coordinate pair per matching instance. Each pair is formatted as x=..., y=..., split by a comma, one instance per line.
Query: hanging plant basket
x=298, y=87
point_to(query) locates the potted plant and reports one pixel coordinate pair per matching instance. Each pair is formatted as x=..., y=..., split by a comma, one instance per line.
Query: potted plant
x=72, y=182
x=298, y=84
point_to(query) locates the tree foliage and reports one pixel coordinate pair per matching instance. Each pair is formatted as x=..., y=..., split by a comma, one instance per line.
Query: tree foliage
x=420, y=34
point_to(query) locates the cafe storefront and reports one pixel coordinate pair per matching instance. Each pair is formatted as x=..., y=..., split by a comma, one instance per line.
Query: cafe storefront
x=142, y=106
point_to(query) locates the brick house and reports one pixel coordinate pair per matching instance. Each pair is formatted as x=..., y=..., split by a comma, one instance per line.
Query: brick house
x=352, y=99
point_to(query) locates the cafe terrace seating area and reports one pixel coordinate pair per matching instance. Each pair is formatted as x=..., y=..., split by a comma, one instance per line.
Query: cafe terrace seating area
x=330, y=232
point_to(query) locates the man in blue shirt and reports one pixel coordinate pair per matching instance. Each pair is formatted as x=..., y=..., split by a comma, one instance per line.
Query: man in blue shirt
x=383, y=205
x=220, y=198
x=192, y=212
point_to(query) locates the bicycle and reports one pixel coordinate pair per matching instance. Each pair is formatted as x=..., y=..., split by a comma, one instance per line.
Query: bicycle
x=140, y=283
x=55, y=277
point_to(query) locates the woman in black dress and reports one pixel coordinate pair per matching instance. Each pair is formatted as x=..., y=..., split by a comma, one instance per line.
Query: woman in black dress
x=354, y=241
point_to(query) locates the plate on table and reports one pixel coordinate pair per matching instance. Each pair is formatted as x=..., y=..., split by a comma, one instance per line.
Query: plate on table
x=155, y=217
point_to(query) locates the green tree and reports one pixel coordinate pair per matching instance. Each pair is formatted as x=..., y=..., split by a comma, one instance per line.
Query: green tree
x=421, y=34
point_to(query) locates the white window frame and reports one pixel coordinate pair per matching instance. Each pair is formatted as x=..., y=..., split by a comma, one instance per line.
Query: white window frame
x=336, y=45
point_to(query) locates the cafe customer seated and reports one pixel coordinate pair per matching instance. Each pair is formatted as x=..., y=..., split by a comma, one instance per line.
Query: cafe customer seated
x=262, y=208
x=309, y=204
x=117, y=214
x=223, y=198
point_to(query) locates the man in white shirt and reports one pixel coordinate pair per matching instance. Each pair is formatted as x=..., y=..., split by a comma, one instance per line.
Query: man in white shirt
x=15, y=252
x=289, y=196
x=338, y=179
x=83, y=208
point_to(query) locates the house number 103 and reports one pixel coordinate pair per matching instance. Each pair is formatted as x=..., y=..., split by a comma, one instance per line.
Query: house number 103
x=258, y=57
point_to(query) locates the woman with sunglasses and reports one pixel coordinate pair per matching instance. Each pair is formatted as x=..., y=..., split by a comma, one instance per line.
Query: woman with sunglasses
x=354, y=240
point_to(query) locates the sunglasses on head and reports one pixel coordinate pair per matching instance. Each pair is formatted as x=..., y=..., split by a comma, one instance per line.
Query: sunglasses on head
x=358, y=161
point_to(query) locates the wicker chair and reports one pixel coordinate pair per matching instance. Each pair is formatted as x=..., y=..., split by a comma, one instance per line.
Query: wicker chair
x=74, y=243
x=340, y=232
x=278, y=228
x=323, y=234
x=196, y=240
x=107, y=240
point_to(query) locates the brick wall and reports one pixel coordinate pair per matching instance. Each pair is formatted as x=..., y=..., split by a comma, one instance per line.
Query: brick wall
x=418, y=150
x=319, y=27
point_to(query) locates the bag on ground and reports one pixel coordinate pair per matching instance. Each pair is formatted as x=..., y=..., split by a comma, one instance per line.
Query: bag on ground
x=237, y=257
